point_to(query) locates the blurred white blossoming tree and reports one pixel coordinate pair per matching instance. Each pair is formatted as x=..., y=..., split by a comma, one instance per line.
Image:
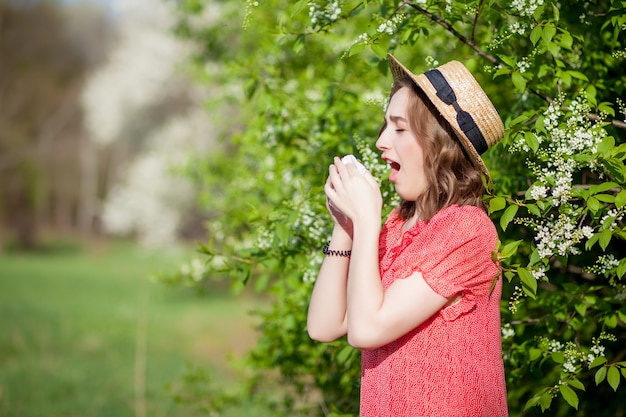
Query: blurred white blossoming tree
x=313, y=78
x=142, y=107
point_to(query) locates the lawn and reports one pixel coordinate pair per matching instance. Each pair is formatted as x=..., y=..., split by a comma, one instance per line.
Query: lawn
x=85, y=332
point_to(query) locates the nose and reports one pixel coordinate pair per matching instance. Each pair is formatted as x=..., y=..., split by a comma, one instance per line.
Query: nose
x=383, y=142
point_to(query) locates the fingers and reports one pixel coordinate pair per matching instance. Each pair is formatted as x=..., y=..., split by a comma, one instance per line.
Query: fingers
x=343, y=181
x=371, y=180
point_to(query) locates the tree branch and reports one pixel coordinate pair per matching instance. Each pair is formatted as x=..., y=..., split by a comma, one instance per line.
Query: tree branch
x=454, y=32
x=495, y=61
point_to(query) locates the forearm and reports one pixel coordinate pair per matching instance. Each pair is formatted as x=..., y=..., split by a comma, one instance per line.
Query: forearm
x=365, y=293
x=326, y=320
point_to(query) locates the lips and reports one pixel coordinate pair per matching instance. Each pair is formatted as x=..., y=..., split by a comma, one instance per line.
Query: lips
x=395, y=169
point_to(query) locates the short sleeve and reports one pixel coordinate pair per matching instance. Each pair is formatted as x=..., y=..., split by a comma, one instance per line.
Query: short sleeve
x=454, y=254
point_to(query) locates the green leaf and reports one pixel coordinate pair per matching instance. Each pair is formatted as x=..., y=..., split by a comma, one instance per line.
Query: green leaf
x=600, y=360
x=299, y=44
x=566, y=40
x=535, y=35
x=605, y=198
x=299, y=7
x=548, y=33
x=531, y=141
x=532, y=402
x=545, y=401
x=606, y=145
x=613, y=377
x=621, y=268
x=508, y=216
x=569, y=395
x=605, y=238
x=534, y=257
x=600, y=375
x=558, y=357
x=509, y=249
x=507, y=60
x=578, y=75
x=357, y=48
x=282, y=233
x=620, y=199
x=592, y=241
x=261, y=282
x=496, y=204
x=605, y=186
x=378, y=50
x=611, y=321
x=556, y=12
x=525, y=117
x=593, y=204
x=529, y=283
x=518, y=80
x=533, y=209
x=344, y=354
x=534, y=354
x=607, y=108
x=576, y=384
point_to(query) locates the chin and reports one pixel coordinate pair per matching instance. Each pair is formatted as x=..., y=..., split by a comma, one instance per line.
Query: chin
x=407, y=195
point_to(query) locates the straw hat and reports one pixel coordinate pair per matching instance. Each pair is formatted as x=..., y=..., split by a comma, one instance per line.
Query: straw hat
x=462, y=103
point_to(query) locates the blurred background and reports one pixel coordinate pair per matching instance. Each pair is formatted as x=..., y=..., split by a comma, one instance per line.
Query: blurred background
x=97, y=120
x=96, y=113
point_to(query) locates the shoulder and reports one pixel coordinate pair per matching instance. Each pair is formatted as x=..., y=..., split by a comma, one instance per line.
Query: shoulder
x=465, y=220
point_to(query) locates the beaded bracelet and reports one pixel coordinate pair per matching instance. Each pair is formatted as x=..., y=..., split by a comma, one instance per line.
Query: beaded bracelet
x=332, y=252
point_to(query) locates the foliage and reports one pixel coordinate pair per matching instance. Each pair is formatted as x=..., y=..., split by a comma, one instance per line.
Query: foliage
x=313, y=80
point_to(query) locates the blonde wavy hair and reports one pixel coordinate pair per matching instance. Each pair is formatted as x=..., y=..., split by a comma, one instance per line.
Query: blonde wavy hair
x=451, y=177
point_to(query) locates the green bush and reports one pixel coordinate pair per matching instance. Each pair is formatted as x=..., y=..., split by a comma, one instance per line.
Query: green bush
x=309, y=81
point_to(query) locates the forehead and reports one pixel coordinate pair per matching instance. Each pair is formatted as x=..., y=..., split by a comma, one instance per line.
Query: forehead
x=399, y=103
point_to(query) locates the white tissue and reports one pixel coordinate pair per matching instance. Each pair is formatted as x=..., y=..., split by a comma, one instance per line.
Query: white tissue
x=350, y=159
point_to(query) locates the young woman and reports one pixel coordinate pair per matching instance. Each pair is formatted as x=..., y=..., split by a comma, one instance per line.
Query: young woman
x=421, y=295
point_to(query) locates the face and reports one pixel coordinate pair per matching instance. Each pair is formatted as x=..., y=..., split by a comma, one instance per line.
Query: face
x=401, y=149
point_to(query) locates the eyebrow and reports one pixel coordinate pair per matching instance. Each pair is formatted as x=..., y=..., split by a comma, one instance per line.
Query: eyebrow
x=396, y=119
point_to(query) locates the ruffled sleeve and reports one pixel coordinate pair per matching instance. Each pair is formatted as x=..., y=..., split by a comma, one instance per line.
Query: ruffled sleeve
x=453, y=251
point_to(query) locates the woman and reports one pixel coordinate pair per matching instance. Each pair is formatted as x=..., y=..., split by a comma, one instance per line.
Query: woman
x=421, y=295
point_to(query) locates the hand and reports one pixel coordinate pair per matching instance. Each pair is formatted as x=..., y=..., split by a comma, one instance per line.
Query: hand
x=340, y=219
x=356, y=195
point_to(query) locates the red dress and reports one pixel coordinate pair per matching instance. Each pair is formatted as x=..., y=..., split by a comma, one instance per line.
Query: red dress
x=451, y=365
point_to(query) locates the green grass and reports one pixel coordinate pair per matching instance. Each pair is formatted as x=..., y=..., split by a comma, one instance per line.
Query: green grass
x=84, y=332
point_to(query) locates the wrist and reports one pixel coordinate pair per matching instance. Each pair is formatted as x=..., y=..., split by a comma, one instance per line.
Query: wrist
x=345, y=253
x=341, y=236
x=367, y=230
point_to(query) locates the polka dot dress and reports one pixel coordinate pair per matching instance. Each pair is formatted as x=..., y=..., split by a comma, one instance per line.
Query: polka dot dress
x=451, y=365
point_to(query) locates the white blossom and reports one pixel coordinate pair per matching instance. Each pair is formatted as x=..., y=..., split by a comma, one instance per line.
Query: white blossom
x=507, y=331
x=557, y=237
x=538, y=191
x=140, y=70
x=151, y=199
x=195, y=269
x=569, y=367
x=321, y=16
x=525, y=7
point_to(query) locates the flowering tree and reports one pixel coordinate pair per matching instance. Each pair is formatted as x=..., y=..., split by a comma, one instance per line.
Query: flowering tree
x=313, y=80
x=142, y=105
